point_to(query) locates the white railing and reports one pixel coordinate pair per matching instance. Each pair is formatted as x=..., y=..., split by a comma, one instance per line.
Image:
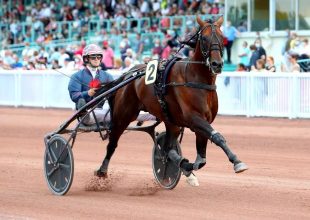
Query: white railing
x=264, y=94
x=249, y=94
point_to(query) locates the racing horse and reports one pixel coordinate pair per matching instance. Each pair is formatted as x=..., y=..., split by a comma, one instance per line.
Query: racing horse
x=190, y=100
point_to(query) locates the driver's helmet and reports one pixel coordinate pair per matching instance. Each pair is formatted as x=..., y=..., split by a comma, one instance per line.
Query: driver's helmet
x=91, y=49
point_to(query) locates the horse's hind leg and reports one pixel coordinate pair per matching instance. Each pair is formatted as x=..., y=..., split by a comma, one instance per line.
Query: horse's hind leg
x=172, y=133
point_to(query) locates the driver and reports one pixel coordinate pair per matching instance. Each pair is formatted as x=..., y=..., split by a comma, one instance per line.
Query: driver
x=84, y=83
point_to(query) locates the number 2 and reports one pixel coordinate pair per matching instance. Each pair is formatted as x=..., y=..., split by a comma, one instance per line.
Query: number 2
x=151, y=69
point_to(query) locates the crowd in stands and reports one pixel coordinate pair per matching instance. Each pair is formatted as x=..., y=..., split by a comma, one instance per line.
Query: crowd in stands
x=49, y=14
x=254, y=57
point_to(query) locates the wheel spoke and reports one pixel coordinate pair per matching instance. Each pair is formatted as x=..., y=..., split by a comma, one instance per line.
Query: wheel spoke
x=53, y=155
x=66, y=166
x=52, y=171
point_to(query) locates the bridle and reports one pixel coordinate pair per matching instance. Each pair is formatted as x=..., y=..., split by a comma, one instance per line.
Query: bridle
x=206, y=44
x=204, y=40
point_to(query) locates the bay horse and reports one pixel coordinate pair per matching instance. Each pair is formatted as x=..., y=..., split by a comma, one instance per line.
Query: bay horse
x=191, y=101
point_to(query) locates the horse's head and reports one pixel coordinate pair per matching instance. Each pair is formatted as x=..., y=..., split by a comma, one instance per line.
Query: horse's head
x=210, y=39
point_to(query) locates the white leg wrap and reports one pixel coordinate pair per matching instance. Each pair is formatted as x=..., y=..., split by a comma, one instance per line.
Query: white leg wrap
x=192, y=180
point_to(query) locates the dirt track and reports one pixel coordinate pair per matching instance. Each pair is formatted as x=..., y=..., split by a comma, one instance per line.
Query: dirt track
x=277, y=185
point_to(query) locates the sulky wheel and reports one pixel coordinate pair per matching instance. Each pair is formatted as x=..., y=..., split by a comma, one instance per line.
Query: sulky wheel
x=166, y=172
x=58, y=165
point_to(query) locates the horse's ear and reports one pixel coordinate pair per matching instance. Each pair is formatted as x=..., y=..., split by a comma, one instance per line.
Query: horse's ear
x=199, y=21
x=220, y=21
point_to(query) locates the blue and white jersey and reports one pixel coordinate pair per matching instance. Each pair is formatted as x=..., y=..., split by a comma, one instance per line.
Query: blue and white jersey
x=79, y=83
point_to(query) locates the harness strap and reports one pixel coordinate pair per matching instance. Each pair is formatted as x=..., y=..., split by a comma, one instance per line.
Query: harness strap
x=194, y=85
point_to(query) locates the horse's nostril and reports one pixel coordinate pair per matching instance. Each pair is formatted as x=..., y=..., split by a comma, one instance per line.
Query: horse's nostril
x=217, y=64
x=214, y=63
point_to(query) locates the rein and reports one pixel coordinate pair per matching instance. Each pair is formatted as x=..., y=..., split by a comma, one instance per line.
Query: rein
x=194, y=85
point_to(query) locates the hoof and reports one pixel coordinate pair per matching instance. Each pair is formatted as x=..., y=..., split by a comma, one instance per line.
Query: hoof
x=240, y=167
x=192, y=180
x=100, y=173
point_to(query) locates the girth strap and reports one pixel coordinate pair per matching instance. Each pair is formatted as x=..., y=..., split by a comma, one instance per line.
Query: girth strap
x=194, y=85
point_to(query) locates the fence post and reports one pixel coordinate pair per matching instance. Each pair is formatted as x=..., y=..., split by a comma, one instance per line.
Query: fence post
x=17, y=89
x=248, y=95
x=295, y=98
x=44, y=90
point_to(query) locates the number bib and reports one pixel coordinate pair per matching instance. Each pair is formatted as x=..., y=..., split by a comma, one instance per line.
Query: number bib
x=151, y=71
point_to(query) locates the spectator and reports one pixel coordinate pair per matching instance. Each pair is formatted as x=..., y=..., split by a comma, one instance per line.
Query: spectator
x=118, y=64
x=30, y=66
x=41, y=63
x=80, y=49
x=132, y=56
x=55, y=64
x=145, y=8
x=230, y=32
x=270, y=64
x=286, y=46
x=304, y=49
x=55, y=54
x=17, y=64
x=8, y=58
x=260, y=49
x=63, y=55
x=194, y=5
x=245, y=54
x=166, y=50
x=4, y=66
x=108, y=55
x=215, y=9
x=260, y=66
x=124, y=45
x=128, y=62
x=294, y=66
x=241, y=67
x=157, y=49
x=68, y=64
x=27, y=51
x=294, y=41
x=254, y=57
x=242, y=26
x=138, y=46
x=78, y=62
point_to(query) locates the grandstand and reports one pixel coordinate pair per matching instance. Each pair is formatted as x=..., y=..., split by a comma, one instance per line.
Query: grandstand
x=59, y=23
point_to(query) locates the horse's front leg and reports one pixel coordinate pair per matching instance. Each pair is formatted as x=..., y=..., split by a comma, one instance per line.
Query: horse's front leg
x=201, y=148
x=204, y=129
